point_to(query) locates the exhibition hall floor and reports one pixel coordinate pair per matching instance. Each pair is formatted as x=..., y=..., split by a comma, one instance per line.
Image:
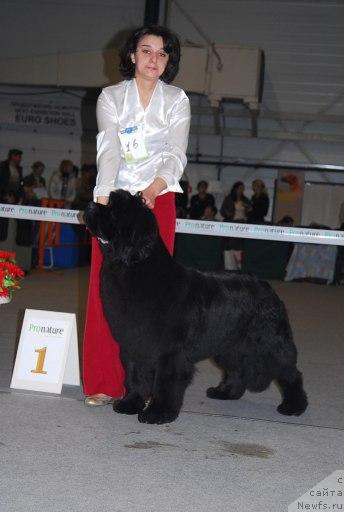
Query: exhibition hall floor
x=57, y=455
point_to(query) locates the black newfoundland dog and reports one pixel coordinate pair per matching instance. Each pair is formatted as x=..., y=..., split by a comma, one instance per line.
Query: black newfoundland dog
x=166, y=318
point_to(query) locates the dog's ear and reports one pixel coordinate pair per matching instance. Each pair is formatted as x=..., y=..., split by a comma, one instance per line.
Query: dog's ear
x=143, y=237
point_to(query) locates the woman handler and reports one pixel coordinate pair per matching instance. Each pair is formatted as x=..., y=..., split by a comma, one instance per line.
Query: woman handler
x=143, y=134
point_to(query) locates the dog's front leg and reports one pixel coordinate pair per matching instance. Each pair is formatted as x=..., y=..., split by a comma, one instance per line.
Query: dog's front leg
x=172, y=376
x=132, y=403
x=134, y=400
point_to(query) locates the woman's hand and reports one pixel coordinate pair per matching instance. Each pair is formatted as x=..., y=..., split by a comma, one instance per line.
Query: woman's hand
x=102, y=200
x=150, y=193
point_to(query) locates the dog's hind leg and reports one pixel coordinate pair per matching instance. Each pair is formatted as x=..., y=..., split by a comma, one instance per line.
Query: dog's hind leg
x=294, y=397
x=173, y=375
x=232, y=385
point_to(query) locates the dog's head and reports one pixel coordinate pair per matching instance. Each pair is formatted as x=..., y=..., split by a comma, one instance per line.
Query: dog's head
x=126, y=228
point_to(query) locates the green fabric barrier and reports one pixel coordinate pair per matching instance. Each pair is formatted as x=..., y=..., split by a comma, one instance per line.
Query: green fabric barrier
x=198, y=251
x=266, y=259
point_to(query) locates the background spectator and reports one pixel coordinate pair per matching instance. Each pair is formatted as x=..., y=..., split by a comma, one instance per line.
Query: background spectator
x=63, y=183
x=11, y=177
x=200, y=201
x=341, y=216
x=286, y=221
x=209, y=213
x=236, y=205
x=259, y=202
x=182, y=200
x=84, y=186
x=34, y=184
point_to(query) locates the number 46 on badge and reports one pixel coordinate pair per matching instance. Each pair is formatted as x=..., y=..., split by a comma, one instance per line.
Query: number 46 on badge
x=47, y=354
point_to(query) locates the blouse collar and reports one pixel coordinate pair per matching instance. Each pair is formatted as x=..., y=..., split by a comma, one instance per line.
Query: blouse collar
x=135, y=97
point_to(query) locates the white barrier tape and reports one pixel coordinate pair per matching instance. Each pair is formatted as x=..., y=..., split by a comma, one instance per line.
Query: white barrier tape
x=18, y=211
x=261, y=232
x=194, y=227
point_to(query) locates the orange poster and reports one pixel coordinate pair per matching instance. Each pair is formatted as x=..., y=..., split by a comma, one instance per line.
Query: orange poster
x=289, y=196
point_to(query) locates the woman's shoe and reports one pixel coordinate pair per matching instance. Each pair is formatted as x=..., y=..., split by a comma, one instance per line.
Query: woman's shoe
x=97, y=400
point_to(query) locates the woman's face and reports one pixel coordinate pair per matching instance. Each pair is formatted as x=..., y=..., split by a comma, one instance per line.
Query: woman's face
x=38, y=171
x=240, y=191
x=256, y=186
x=150, y=58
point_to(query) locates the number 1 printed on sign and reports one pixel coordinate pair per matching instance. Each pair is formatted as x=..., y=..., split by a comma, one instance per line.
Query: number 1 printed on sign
x=40, y=360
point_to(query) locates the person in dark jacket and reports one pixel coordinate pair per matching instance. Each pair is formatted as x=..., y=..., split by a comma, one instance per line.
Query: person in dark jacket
x=11, y=178
x=11, y=185
x=236, y=205
x=182, y=200
x=200, y=201
x=259, y=202
x=84, y=187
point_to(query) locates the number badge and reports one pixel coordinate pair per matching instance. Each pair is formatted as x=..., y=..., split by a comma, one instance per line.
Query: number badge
x=133, y=144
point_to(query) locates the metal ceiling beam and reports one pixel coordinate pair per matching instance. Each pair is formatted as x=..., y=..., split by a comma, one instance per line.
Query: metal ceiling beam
x=268, y=134
x=272, y=164
x=152, y=11
x=285, y=116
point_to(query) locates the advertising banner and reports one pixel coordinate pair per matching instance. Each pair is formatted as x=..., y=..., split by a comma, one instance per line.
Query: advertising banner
x=47, y=354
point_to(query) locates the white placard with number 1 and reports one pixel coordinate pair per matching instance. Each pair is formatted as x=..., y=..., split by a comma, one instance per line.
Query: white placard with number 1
x=47, y=354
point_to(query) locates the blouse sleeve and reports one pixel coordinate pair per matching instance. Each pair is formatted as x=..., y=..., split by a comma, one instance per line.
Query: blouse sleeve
x=108, y=146
x=174, y=153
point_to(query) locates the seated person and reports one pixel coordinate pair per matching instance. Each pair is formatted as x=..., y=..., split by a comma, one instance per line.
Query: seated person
x=209, y=213
x=286, y=221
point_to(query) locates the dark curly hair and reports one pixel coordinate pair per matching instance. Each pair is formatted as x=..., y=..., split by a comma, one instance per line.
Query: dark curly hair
x=234, y=189
x=171, y=47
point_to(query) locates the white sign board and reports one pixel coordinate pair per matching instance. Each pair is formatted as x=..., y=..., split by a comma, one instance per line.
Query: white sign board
x=48, y=111
x=47, y=354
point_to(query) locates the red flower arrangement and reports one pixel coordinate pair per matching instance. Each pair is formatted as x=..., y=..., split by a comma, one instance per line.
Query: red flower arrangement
x=10, y=273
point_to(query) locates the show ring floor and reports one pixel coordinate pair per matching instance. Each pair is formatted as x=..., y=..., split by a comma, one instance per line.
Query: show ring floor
x=57, y=455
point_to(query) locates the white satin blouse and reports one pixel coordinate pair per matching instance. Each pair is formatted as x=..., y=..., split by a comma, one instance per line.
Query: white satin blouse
x=165, y=123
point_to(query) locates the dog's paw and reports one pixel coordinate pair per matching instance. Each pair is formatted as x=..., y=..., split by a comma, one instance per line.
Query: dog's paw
x=128, y=406
x=217, y=394
x=292, y=408
x=157, y=417
x=220, y=394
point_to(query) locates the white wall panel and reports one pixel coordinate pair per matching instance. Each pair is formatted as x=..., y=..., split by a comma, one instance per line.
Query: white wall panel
x=39, y=27
x=303, y=44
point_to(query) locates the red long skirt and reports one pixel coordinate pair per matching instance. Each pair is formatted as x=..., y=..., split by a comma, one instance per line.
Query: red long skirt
x=102, y=368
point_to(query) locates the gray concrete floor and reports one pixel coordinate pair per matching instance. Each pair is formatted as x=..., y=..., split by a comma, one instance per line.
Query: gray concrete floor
x=58, y=455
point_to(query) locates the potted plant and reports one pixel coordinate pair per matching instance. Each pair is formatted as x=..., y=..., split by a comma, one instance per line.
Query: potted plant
x=10, y=273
